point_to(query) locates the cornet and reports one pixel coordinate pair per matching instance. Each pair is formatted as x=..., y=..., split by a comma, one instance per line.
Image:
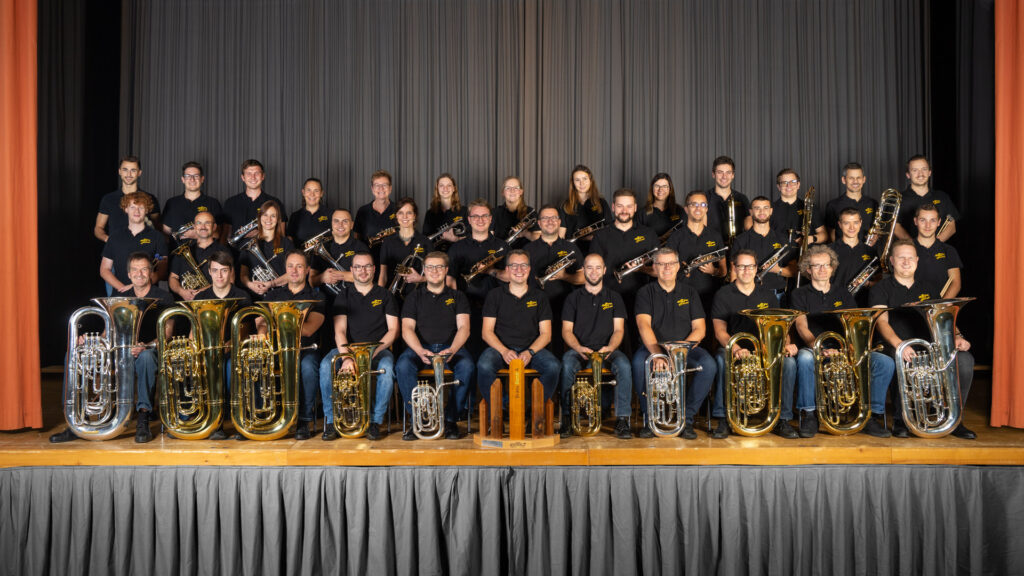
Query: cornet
x=428, y=401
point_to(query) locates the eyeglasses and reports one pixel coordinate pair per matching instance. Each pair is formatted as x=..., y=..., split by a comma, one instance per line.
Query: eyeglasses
x=788, y=182
x=667, y=264
x=661, y=187
x=745, y=266
x=697, y=204
x=433, y=267
x=191, y=176
x=479, y=216
x=548, y=218
x=512, y=188
x=518, y=266
x=361, y=267
x=819, y=266
x=381, y=186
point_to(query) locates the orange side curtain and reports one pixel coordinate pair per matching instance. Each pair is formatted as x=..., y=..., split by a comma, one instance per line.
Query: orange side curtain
x=1008, y=348
x=19, y=250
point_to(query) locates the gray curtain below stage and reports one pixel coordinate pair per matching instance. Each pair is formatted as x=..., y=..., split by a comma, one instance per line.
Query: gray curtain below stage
x=621, y=520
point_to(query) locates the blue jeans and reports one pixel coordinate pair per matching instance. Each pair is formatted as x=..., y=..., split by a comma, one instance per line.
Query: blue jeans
x=965, y=374
x=572, y=362
x=544, y=362
x=385, y=382
x=700, y=382
x=882, y=368
x=409, y=365
x=145, y=379
x=789, y=378
x=308, y=365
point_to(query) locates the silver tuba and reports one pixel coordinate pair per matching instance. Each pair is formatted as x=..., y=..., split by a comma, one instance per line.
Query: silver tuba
x=666, y=389
x=99, y=378
x=428, y=401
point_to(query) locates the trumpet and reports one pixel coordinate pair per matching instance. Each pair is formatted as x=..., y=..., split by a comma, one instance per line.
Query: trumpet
x=666, y=389
x=559, y=265
x=193, y=279
x=379, y=237
x=587, y=230
x=630, y=266
x=805, y=227
x=885, y=221
x=406, y=266
x=310, y=245
x=496, y=256
x=586, y=397
x=704, y=259
x=351, y=390
x=428, y=401
x=862, y=277
x=457, y=226
x=772, y=260
x=316, y=246
x=177, y=234
x=264, y=272
x=243, y=231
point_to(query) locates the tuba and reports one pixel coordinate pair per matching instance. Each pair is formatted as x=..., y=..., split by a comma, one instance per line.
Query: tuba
x=428, y=402
x=929, y=385
x=885, y=221
x=586, y=397
x=191, y=376
x=753, y=384
x=666, y=389
x=351, y=390
x=844, y=378
x=265, y=370
x=192, y=279
x=99, y=378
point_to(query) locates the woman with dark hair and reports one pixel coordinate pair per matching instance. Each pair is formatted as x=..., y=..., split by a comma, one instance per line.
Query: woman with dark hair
x=272, y=244
x=314, y=217
x=512, y=212
x=399, y=246
x=583, y=207
x=445, y=208
x=661, y=211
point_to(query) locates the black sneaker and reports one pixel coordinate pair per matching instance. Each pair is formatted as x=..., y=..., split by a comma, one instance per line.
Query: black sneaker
x=899, y=429
x=876, y=428
x=688, y=432
x=330, y=433
x=722, y=430
x=784, y=429
x=374, y=432
x=409, y=435
x=451, y=431
x=66, y=436
x=965, y=433
x=622, y=430
x=644, y=432
x=142, y=431
x=565, y=428
x=218, y=434
x=808, y=424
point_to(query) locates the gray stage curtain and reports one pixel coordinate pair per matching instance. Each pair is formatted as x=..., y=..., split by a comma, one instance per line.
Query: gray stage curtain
x=598, y=520
x=487, y=89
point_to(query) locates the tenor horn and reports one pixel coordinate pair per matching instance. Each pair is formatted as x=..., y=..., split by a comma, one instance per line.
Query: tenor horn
x=585, y=407
x=428, y=401
x=351, y=390
x=666, y=389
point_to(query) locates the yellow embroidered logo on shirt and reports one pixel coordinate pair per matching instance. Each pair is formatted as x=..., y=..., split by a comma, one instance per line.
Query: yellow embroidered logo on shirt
x=869, y=210
x=936, y=201
x=349, y=254
x=776, y=245
x=491, y=251
x=420, y=250
x=673, y=218
x=606, y=306
x=531, y=304
x=837, y=304
x=682, y=302
x=562, y=254
x=278, y=250
x=639, y=239
x=202, y=209
x=391, y=216
x=376, y=302
x=940, y=255
x=322, y=219
x=144, y=241
x=449, y=302
x=762, y=305
x=865, y=257
x=711, y=243
x=923, y=297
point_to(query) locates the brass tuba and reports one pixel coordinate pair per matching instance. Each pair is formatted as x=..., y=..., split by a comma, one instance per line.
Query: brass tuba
x=843, y=388
x=265, y=370
x=753, y=384
x=99, y=378
x=428, y=401
x=192, y=279
x=351, y=390
x=666, y=389
x=191, y=377
x=881, y=231
x=929, y=385
x=586, y=397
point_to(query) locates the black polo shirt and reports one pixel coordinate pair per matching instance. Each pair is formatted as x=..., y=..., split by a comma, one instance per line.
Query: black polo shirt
x=369, y=222
x=463, y=255
x=619, y=246
x=117, y=218
x=179, y=210
x=815, y=302
x=202, y=257
x=786, y=217
x=239, y=210
x=729, y=302
x=122, y=243
x=435, y=313
x=367, y=314
x=866, y=206
x=517, y=320
x=660, y=221
x=275, y=256
x=283, y=293
x=543, y=255
x=585, y=216
x=164, y=300
x=689, y=246
x=910, y=201
x=593, y=315
x=851, y=260
x=906, y=322
x=671, y=312
x=764, y=247
x=304, y=224
x=342, y=253
x=433, y=220
x=718, y=211
x=503, y=219
x=234, y=292
x=934, y=263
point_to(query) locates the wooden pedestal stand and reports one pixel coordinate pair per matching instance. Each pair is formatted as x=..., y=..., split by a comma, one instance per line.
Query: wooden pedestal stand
x=542, y=418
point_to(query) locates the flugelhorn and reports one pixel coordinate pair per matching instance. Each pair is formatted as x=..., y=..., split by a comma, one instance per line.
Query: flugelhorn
x=929, y=385
x=406, y=266
x=99, y=378
x=193, y=278
x=191, y=377
x=585, y=407
x=351, y=390
x=556, y=267
x=263, y=272
x=885, y=221
x=666, y=389
x=428, y=401
x=753, y=384
x=244, y=231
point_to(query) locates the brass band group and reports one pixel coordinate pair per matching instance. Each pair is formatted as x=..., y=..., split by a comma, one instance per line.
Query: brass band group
x=773, y=311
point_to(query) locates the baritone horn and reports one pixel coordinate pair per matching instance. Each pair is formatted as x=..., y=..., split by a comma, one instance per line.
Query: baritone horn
x=265, y=369
x=351, y=390
x=191, y=376
x=586, y=396
x=753, y=384
x=193, y=278
x=843, y=378
x=428, y=401
x=666, y=389
x=99, y=377
x=929, y=385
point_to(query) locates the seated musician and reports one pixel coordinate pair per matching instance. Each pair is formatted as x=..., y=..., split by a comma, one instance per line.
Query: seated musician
x=204, y=227
x=313, y=218
x=670, y=310
x=137, y=236
x=477, y=246
x=435, y=320
x=398, y=247
x=273, y=245
x=766, y=242
x=900, y=324
x=852, y=252
x=938, y=263
x=342, y=246
x=363, y=312
x=821, y=295
x=182, y=209
x=594, y=320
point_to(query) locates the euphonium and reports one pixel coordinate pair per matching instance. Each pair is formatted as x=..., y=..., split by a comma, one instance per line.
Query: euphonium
x=351, y=390
x=586, y=397
x=428, y=401
x=666, y=389
x=885, y=221
x=265, y=369
x=191, y=377
x=753, y=384
x=929, y=384
x=192, y=279
x=99, y=378
x=843, y=387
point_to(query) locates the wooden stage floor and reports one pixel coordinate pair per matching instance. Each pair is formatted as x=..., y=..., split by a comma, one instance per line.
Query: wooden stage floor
x=994, y=446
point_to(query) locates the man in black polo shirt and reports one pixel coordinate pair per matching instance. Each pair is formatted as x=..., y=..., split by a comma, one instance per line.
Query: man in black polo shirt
x=544, y=252
x=852, y=252
x=918, y=193
x=765, y=242
x=111, y=217
x=669, y=310
x=379, y=214
x=363, y=312
x=623, y=241
x=135, y=237
x=517, y=325
x=746, y=294
x=243, y=207
x=204, y=245
x=477, y=245
x=182, y=209
x=939, y=263
x=902, y=324
x=695, y=240
x=819, y=296
x=853, y=180
x=594, y=320
x=296, y=268
x=435, y=320
x=788, y=208
x=723, y=169
x=342, y=246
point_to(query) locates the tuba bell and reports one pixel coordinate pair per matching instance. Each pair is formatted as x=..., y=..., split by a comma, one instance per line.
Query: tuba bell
x=191, y=376
x=753, y=384
x=99, y=377
x=666, y=389
x=428, y=401
x=351, y=390
x=843, y=387
x=929, y=385
x=586, y=397
x=265, y=370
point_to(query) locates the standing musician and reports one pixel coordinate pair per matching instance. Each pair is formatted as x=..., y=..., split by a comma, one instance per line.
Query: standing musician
x=136, y=236
x=296, y=270
x=517, y=325
x=766, y=242
x=594, y=320
x=110, y=216
x=669, y=310
x=445, y=208
x=363, y=312
x=273, y=244
x=661, y=212
x=822, y=295
x=475, y=247
x=900, y=324
x=723, y=169
x=378, y=215
x=583, y=207
x=512, y=212
x=435, y=320
x=852, y=252
x=313, y=218
x=918, y=193
x=182, y=209
x=694, y=240
x=204, y=246
x=243, y=207
x=853, y=180
x=342, y=246
x=398, y=248
x=788, y=209
x=621, y=242
x=744, y=293
x=939, y=262
x=546, y=252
